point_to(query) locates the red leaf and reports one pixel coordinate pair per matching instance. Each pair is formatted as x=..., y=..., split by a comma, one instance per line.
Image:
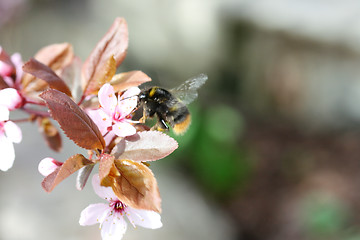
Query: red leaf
x=70, y=166
x=136, y=186
x=45, y=73
x=102, y=76
x=125, y=80
x=114, y=43
x=145, y=146
x=4, y=57
x=76, y=124
x=55, y=56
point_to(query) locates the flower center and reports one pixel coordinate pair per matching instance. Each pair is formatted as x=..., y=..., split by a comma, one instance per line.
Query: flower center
x=118, y=206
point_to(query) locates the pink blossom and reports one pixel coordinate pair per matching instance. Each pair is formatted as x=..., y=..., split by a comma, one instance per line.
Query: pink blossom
x=10, y=98
x=114, y=115
x=48, y=165
x=6, y=70
x=9, y=133
x=111, y=216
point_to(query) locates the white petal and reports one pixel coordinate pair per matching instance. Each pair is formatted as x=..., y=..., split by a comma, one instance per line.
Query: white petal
x=144, y=218
x=103, y=192
x=7, y=153
x=4, y=113
x=48, y=165
x=107, y=98
x=94, y=213
x=13, y=132
x=10, y=98
x=123, y=129
x=113, y=227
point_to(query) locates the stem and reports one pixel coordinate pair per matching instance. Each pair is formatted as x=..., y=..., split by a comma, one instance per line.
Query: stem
x=36, y=112
x=35, y=103
x=20, y=120
x=81, y=100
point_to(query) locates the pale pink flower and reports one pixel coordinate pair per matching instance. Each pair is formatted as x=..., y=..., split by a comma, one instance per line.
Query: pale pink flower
x=48, y=165
x=9, y=133
x=114, y=115
x=10, y=98
x=7, y=70
x=111, y=216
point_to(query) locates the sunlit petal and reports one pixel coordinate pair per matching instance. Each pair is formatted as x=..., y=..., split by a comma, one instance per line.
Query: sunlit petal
x=113, y=228
x=133, y=91
x=7, y=153
x=48, y=165
x=103, y=192
x=13, y=132
x=4, y=113
x=10, y=98
x=128, y=101
x=101, y=119
x=144, y=218
x=107, y=99
x=123, y=129
x=94, y=213
x=16, y=59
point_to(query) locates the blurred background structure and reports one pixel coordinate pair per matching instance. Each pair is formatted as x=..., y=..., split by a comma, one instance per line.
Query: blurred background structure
x=274, y=148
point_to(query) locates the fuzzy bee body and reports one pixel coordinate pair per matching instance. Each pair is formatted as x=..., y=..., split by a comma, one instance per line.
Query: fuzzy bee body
x=170, y=106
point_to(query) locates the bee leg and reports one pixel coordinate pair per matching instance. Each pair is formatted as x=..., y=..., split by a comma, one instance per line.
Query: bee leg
x=143, y=118
x=163, y=124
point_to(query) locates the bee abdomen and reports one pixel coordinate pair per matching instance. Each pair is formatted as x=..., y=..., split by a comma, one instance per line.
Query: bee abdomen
x=181, y=119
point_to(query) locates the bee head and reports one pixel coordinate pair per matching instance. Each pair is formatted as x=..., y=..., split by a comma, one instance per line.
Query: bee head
x=142, y=95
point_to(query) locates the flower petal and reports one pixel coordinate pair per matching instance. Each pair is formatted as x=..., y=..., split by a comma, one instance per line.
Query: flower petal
x=113, y=228
x=48, y=165
x=16, y=59
x=128, y=101
x=10, y=98
x=101, y=119
x=94, y=213
x=107, y=99
x=133, y=91
x=7, y=153
x=103, y=192
x=13, y=132
x=109, y=137
x=4, y=113
x=5, y=69
x=144, y=218
x=123, y=129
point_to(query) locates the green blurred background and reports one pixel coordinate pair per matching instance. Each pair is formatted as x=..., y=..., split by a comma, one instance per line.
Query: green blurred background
x=273, y=149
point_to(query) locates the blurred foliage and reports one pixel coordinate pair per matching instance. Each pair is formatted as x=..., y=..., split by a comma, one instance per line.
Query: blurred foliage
x=211, y=150
x=323, y=216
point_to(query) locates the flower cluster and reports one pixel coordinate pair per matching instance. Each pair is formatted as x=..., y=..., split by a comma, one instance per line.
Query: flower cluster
x=95, y=109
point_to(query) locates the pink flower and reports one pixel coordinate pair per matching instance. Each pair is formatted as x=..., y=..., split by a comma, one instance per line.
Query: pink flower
x=113, y=117
x=6, y=70
x=10, y=98
x=48, y=165
x=9, y=133
x=110, y=216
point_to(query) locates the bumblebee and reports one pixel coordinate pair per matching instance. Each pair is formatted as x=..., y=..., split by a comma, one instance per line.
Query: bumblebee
x=169, y=106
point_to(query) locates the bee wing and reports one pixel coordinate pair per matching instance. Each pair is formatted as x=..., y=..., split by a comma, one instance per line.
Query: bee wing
x=187, y=92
